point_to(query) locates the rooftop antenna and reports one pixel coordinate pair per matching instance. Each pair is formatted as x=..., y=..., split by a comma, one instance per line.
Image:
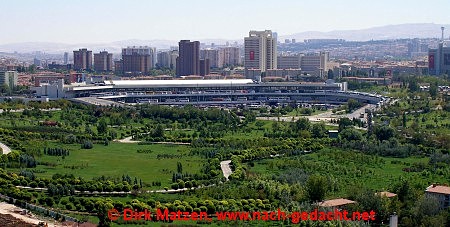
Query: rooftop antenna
x=442, y=38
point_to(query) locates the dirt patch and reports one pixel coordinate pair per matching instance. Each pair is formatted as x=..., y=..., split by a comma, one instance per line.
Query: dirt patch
x=7, y=220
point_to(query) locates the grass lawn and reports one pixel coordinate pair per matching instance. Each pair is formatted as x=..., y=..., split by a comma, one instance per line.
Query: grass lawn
x=117, y=159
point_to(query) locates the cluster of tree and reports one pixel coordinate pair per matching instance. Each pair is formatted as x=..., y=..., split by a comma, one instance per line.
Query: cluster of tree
x=87, y=144
x=301, y=128
x=188, y=113
x=56, y=151
x=15, y=159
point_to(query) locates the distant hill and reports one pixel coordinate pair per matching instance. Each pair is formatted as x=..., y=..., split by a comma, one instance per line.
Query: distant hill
x=424, y=30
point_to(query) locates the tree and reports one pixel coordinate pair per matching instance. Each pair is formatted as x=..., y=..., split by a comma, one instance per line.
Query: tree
x=426, y=206
x=159, y=131
x=433, y=90
x=413, y=86
x=102, y=127
x=330, y=74
x=384, y=132
x=344, y=123
x=102, y=212
x=49, y=201
x=318, y=130
x=353, y=105
x=302, y=124
x=404, y=120
x=179, y=167
x=259, y=124
x=316, y=188
x=350, y=134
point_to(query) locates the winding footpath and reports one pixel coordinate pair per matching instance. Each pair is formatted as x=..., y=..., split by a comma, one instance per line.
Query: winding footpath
x=5, y=149
x=226, y=169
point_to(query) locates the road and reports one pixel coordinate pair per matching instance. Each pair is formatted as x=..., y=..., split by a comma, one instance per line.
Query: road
x=21, y=110
x=326, y=117
x=98, y=102
x=129, y=140
x=226, y=169
x=5, y=149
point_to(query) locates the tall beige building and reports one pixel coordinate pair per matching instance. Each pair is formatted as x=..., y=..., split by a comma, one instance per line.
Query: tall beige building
x=214, y=56
x=230, y=56
x=260, y=49
x=167, y=59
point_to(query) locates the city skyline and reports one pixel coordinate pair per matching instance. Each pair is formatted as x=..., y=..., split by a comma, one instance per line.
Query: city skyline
x=101, y=21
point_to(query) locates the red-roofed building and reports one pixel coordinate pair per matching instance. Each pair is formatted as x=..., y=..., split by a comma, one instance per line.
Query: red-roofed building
x=441, y=193
x=336, y=203
x=386, y=194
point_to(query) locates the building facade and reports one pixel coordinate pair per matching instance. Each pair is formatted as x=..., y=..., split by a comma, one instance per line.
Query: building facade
x=137, y=60
x=289, y=62
x=103, y=62
x=439, y=60
x=214, y=57
x=231, y=56
x=440, y=193
x=9, y=78
x=188, y=61
x=82, y=59
x=204, y=67
x=167, y=59
x=315, y=64
x=260, y=49
x=66, y=58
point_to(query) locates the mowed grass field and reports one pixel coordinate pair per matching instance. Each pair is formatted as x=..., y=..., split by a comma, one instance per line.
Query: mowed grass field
x=119, y=159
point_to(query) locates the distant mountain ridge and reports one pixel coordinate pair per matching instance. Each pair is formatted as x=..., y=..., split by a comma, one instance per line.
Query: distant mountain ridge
x=419, y=30
x=423, y=30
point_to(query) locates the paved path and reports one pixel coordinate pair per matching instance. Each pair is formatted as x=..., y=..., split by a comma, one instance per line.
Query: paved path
x=5, y=149
x=226, y=169
x=122, y=192
x=21, y=110
x=127, y=140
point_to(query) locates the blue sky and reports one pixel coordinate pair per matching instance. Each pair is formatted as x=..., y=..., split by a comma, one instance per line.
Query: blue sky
x=88, y=21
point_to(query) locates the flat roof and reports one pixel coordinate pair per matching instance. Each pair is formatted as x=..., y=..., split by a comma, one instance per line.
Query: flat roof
x=438, y=189
x=336, y=202
x=177, y=82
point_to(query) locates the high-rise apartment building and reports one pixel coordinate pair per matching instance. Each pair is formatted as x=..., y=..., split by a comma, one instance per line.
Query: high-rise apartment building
x=188, y=61
x=167, y=59
x=82, y=59
x=215, y=57
x=204, y=67
x=137, y=60
x=103, y=61
x=439, y=60
x=230, y=56
x=66, y=58
x=260, y=51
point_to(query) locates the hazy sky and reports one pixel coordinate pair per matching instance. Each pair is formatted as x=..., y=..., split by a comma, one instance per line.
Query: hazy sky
x=88, y=21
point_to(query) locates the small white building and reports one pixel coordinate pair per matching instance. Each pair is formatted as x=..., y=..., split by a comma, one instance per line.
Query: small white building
x=52, y=90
